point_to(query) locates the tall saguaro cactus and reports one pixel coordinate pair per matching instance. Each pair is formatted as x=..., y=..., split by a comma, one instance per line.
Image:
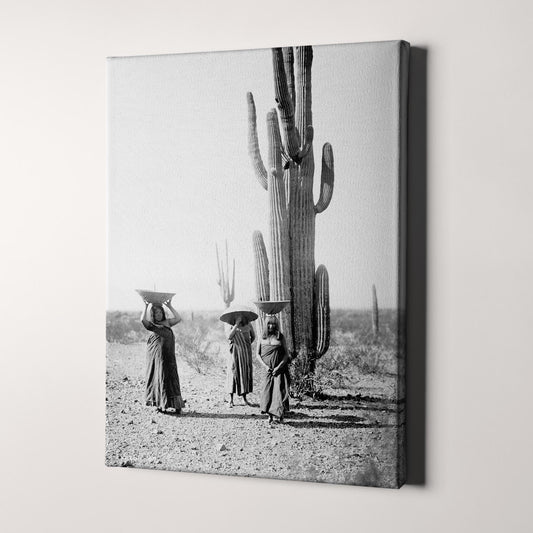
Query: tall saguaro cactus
x=227, y=289
x=288, y=179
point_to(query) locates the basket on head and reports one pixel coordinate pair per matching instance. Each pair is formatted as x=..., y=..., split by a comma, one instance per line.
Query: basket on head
x=272, y=307
x=155, y=298
x=233, y=311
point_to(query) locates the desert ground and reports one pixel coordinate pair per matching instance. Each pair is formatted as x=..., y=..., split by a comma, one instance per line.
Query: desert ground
x=348, y=433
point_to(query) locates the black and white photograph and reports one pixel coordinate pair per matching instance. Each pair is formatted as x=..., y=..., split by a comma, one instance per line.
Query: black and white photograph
x=255, y=302
x=266, y=266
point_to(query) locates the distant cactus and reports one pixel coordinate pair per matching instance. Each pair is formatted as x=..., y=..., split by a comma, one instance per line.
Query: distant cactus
x=227, y=290
x=288, y=178
x=375, y=312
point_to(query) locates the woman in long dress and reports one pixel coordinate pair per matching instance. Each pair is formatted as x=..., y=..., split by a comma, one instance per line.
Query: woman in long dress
x=162, y=380
x=273, y=355
x=239, y=370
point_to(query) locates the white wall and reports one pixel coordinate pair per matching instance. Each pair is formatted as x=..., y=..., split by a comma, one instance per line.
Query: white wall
x=52, y=219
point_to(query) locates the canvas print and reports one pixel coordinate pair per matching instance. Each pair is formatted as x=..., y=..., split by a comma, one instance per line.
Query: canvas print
x=256, y=251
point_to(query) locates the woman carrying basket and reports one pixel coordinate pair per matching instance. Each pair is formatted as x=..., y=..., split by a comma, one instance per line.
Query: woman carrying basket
x=273, y=355
x=239, y=369
x=162, y=380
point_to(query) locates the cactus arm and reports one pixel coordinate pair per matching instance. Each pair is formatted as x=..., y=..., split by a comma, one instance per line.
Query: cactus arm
x=327, y=179
x=288, y=57
x=261, y=267
x=262, y=284
x=221, y=281
x=226, y=277
x=224, y=288
x=308, y=142
x=285, y=104
x=279, y=279
x=298, y=158
x=227, y=261
x=232, y=291
x=304, y=60
x=322, y=313
x=296, y=147
x=219, y=278
x=275, y=158
x=253, y=143
x=290, y=177
x=227, y=292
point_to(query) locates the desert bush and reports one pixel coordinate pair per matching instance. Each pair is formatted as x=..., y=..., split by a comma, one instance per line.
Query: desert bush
x=195, y=345
x=335, y=370
x=124, y=327
x=371, y=359
x=352, y=353
x=359, y=324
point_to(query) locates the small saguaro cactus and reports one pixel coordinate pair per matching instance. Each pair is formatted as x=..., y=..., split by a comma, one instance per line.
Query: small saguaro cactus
x=227, y=290
x=288, y=179
x=375, y=312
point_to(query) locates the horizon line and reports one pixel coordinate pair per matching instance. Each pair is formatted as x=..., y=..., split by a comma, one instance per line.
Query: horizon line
x=218, y=310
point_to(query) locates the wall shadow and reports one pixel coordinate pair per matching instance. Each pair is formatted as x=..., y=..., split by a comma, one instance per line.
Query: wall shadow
x=416, y=268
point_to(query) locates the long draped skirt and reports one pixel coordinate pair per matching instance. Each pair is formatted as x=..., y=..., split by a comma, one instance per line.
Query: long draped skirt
x=275, y=393
x=162, y=380
x=239, y=369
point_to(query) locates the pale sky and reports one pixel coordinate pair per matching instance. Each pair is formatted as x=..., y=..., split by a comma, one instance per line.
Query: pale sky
x=180, y=178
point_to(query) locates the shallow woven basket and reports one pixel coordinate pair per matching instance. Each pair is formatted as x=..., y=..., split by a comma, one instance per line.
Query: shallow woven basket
x=155, y=298
x=272, y=307
x=232, y=312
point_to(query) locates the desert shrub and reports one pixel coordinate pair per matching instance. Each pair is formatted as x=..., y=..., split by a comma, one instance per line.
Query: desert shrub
x=358, y=323
x=195, y=345
x=370, y=355
x=124, y=327
x=370, y=359
x=335, y=369
x=350, y=354
x=196, y=340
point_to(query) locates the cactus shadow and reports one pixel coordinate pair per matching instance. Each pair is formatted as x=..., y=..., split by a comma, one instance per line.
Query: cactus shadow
x=359, y=404
x=416, y=268
x=336, y=421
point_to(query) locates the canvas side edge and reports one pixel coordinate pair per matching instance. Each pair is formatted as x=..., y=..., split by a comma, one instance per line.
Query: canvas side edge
x=401, y=470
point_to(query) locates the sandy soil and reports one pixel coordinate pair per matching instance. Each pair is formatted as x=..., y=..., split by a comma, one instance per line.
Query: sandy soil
x=346, y=439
